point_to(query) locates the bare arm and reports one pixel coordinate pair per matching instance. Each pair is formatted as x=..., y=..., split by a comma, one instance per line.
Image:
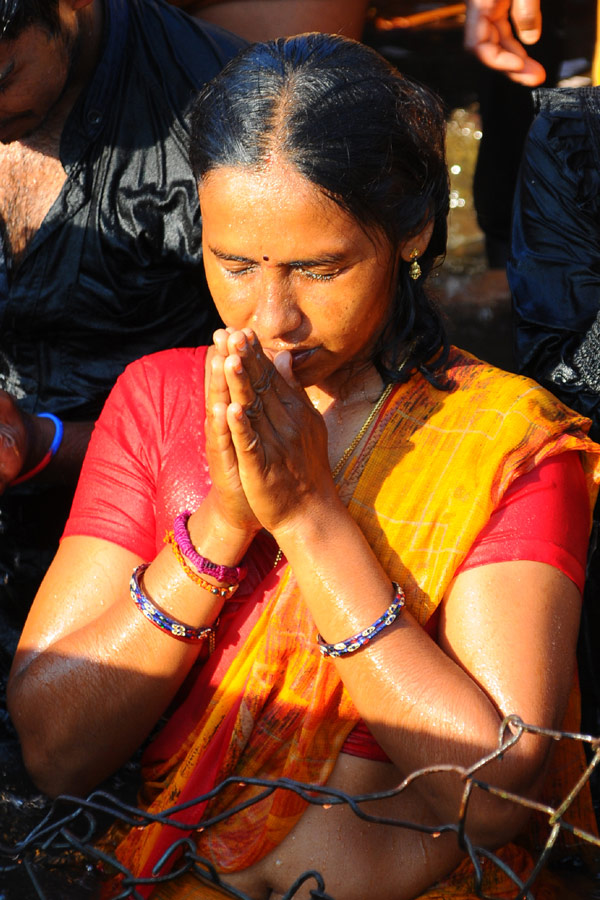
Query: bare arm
x=489, y=35
x=263, y=20
x=85, y=640
x=25, y=439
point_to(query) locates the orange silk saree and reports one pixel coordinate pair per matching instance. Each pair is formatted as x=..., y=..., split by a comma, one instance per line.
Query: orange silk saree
x=267, y=704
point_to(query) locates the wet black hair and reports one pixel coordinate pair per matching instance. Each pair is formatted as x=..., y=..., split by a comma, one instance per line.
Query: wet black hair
x=16, y=15
x=369, y=138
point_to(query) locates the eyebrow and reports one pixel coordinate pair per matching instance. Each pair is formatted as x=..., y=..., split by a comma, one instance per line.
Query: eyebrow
x=7, y=71
x=326, y=259
x=233, y=257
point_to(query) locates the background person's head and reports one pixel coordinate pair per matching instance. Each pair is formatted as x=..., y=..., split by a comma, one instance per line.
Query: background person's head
x=368, y=138
x=45, y=51
x=16, y=15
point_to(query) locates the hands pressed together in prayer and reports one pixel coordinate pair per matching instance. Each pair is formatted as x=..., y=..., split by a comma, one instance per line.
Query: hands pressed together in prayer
x=490, y=36
x=266, y=444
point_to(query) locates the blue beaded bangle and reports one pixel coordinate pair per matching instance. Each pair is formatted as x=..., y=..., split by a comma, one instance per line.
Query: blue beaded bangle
x=351, y=645
x=165, y=623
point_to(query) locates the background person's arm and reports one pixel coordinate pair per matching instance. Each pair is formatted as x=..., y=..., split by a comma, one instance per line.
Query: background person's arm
x=25, y=440
x=263, y=20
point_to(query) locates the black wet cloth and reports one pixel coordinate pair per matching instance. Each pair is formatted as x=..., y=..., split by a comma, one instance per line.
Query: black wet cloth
x=115, y=271
x=554, y=271
x=554, y=274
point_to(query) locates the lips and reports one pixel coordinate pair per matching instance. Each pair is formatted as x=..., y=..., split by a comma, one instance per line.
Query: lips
x=301, y=356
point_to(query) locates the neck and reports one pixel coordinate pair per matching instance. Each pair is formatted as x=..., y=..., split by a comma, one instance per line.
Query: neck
x=361, y=389
x=85, y=54
x=86, y=50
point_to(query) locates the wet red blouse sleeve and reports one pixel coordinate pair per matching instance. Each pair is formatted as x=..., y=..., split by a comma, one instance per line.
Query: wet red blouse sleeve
x=544, y=517
x=146, y=443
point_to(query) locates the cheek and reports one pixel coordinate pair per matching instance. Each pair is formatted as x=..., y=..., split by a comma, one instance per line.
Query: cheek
x=233, y=306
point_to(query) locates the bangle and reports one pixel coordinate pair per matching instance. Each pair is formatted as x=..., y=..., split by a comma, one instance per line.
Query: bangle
x=50, y=452
x=351, y=645
x=229, y=574
x=225, y=591
x=161, y=620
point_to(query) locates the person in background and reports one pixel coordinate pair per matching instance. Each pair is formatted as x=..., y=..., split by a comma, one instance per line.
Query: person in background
x=262, y=20
x=521, y=44
x=100, y=240
x=327, y=547
x=554, y=275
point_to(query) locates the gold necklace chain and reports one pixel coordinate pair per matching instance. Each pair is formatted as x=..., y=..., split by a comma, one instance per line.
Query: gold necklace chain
x=353, y=445
x=360, y=433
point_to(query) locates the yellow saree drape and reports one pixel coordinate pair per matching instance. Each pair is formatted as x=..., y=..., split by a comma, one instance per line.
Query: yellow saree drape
x=434, y=468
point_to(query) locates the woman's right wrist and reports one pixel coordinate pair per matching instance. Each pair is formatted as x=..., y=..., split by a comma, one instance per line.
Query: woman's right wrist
x=216, y=538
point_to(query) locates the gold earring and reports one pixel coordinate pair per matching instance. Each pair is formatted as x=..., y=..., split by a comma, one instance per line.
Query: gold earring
x=415, y=268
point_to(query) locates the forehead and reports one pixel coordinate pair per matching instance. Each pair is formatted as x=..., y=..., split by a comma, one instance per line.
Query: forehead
x=278, y=185
x=275, y=203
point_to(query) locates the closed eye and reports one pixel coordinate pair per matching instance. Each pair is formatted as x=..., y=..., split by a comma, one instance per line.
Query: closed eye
x=317, y=276
x=238, y=269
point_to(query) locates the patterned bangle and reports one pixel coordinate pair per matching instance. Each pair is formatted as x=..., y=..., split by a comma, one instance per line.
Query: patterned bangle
x=161, y=620
x=228, y=574
x=363, y=637
x=50, y=452
x=225, y=591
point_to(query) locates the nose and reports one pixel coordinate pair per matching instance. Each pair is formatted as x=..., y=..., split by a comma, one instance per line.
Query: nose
x=277, y=314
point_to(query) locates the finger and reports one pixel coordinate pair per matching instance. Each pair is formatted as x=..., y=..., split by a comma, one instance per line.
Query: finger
x=247, y=345
x=248, y=446
x=220, y=341
x=238, y=381
x=532, y=74
x=527, y=19
x=505, y=54
x=259, y=369
x=283, y=364
x=219, y=444
x=217, y=389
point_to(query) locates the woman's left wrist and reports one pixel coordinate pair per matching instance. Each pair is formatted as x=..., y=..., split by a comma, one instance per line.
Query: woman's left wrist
x=307, y=527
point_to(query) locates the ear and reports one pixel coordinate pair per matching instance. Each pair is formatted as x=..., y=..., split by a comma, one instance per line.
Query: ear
x=418, y=242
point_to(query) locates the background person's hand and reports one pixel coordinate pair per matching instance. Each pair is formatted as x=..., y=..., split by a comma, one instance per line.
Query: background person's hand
x=279, y=438
x=489, y=35
x=14, y=440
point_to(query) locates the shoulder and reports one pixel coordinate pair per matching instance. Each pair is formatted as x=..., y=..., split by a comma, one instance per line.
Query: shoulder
x=484, y=387
x=169, y=375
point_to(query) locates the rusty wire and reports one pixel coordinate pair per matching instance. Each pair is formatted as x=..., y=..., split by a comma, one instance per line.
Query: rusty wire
x=72, y=826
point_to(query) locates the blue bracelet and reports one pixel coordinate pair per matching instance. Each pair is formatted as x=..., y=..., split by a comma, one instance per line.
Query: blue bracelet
x=50, y=452
x=161, y=620
x=351, y=645
x=59, y=431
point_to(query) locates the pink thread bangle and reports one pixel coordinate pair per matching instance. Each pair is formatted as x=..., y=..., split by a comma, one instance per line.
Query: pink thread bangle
x=227, y=574
x=50, y=452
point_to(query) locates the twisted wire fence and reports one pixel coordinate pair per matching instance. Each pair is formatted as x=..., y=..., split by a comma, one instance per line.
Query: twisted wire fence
x=65, y=839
